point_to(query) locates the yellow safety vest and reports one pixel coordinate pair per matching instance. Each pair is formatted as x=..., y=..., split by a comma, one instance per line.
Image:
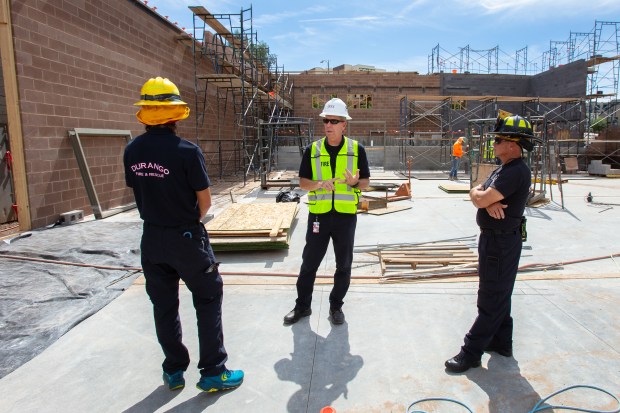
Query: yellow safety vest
x=344, y=198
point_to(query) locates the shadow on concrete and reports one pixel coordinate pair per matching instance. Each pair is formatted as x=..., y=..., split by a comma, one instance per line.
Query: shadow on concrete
x=198, y=403
x=507, y=389
x=322, y=366
x=158, y=398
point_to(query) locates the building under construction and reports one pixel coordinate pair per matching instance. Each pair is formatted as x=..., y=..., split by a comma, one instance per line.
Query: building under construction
x=71, y=75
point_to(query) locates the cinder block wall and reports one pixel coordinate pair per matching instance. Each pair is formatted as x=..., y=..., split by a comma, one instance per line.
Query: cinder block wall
x=81, y=64
x=568, y=80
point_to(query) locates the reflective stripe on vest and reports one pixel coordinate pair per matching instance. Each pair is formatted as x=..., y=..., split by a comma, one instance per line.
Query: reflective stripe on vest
x=344, y=198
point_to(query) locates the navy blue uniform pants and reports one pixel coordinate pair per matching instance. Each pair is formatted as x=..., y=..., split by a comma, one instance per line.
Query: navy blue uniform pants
x=498, y=261
x=170, y=255
x=340, y=228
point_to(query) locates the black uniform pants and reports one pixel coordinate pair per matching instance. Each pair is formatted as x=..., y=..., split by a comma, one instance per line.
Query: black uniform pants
x=171, y=254
x=498, y=260
x=340, y=228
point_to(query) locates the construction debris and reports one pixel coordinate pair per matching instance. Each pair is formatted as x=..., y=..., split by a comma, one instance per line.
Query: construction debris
x=427, y=260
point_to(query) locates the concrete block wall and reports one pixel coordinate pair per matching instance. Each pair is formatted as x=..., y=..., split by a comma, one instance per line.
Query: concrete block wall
x=81, y=64
x=568, y=80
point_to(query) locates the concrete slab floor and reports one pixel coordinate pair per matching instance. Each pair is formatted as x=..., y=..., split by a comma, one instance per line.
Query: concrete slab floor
x=390, y=351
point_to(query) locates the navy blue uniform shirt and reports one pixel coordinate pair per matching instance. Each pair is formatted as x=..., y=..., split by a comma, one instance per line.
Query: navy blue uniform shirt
x=513, y=181
x=165, y=172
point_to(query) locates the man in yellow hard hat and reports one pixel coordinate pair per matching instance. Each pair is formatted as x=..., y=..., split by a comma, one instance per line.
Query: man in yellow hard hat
x=170, y=183
x=501, y=201
x=333, y=169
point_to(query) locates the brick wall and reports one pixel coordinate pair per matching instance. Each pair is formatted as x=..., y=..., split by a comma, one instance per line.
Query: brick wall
x=386, y=90
x=81, y=64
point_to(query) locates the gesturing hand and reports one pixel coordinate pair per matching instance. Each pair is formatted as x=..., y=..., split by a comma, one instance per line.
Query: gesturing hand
x=349, y=178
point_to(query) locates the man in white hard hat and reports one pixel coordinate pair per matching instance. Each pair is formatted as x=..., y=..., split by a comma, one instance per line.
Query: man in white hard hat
x=333, y=169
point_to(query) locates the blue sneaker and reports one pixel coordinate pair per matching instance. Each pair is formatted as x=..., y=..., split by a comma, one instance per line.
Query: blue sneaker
x=229, y=379
x=175, y=381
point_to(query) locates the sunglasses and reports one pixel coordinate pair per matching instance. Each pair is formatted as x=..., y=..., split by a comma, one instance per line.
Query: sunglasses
x=332, y=121
x=498, y=140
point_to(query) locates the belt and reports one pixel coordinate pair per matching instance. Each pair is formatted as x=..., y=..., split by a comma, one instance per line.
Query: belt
x=499, y=231
x=181, y=227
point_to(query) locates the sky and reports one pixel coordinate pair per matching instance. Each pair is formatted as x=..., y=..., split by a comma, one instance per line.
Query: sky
x=400, y=35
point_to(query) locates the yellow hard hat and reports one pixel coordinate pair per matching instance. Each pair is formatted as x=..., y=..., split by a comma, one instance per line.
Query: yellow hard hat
x=159, y=91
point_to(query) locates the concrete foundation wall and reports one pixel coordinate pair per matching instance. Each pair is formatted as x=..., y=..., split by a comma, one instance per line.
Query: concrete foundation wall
x=424, y=158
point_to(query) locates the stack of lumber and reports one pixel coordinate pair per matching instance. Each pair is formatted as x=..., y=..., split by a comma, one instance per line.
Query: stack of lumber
x=427, y=260
x=258, y=226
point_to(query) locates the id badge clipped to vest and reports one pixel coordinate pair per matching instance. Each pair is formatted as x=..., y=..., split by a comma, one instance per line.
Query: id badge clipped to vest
x=315, y=226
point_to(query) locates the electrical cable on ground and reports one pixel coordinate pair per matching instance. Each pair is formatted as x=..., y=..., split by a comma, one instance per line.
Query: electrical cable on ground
x=538, y=407
x=441, y=399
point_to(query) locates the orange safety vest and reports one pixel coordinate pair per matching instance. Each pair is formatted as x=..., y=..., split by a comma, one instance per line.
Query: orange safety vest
x=457, y=149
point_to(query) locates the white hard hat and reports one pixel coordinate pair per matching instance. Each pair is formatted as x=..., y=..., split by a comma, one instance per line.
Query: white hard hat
x=335, y=107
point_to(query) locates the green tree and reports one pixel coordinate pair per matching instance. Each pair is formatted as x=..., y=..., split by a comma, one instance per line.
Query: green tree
x=598, y=124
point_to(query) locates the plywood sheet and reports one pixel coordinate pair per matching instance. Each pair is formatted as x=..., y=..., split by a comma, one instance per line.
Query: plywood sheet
x=454, y=188
x=254, y=217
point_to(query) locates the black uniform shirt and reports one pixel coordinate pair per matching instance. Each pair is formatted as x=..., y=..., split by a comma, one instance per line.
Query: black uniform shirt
x=513, y=181
x=305, y=169
x=165, y=173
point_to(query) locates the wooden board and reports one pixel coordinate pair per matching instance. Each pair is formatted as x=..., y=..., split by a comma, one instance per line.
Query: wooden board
x=389, y=209
x=454, y=188
x=427, y=260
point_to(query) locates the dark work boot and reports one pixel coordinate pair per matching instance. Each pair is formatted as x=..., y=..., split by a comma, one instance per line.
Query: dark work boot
x=461, y=363
x=337, y=316
x=295, y=315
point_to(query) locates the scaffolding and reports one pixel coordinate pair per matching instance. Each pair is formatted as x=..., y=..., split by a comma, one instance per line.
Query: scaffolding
x=543, y=160
x=246, y=79
x=600, y=48
x=281, y=132
x=435, y=121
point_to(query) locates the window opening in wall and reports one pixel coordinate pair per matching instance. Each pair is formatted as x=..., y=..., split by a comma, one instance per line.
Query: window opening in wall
x=458, y=105
x=318, y=101
x=359, y=101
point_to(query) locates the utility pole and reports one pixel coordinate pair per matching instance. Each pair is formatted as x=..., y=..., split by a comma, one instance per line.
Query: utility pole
x=326, y=60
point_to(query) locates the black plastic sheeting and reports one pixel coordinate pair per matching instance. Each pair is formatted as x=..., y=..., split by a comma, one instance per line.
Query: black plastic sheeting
x=39, y=302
